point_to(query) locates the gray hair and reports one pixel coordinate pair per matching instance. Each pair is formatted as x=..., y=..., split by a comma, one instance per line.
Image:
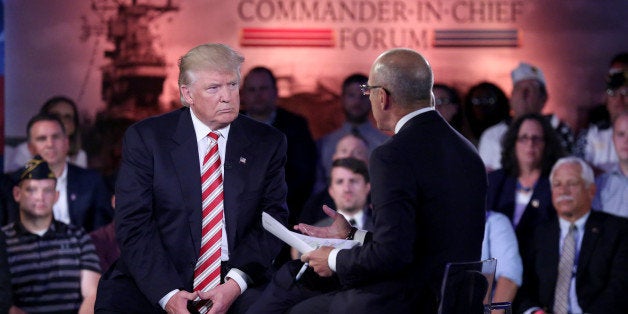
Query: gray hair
x=208, y=57
x=586, y=173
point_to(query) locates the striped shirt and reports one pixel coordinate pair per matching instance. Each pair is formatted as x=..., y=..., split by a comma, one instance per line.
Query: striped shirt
x=46, y=270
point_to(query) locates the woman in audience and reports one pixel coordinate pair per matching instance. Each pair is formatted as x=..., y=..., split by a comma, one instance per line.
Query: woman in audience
x=521, y=189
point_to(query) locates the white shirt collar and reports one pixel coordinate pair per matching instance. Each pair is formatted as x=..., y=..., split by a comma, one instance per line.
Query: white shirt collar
x=202, y=130
x=564, y=224
x=409, y=116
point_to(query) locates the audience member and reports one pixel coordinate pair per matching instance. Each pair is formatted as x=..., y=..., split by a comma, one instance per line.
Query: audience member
x=598, y=148
x=418, y=225
x=500, y=242
x=348, y=192
x=447, y=103
x=350, y=145
x=529, y=95
x=64, y=108
x=356, y=108
x=84, y=200
x=485, y=105
x=259, y=99
x=6, y=295
x=579, y=260
x=54, y=267
x=520, y=190
x=349, y=188
x=104, y=239
x=171, y=183
x=612, y=186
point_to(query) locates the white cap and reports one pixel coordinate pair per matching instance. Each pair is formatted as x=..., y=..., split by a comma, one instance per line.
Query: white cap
x=527, y=72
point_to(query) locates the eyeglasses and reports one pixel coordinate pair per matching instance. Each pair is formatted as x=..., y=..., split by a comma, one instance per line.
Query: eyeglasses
x=616, y=92
x=366, y=89
x=534, y=139
x=483, y=101
x=444, y=101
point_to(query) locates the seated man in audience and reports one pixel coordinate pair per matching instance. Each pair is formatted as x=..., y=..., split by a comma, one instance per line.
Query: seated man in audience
x=612, y=186
x=357, y=110
x=350, y=145
x=349, y=187
x=500, y=242
x=63, y=276
x=84, y=200
x=579, y=261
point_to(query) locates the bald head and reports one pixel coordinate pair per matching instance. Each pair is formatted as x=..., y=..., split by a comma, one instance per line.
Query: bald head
x=406, y=75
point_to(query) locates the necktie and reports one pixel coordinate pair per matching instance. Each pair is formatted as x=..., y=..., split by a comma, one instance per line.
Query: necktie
x=565, y=271
x=207, y=271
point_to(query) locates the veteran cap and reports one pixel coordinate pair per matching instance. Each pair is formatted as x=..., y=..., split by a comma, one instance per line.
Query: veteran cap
x=36, y=169
x=526, y=71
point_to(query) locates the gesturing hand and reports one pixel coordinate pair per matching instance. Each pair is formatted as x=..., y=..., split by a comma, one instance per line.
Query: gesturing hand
x=339, y=229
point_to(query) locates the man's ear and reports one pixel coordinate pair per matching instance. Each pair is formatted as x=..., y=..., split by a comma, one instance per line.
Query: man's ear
x=16, y=193
x=187, y=95
x=385, y=100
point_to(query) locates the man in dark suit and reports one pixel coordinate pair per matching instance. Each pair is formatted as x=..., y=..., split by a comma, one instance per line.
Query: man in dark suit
x=84, y=200
x=428, y=190
x=158, y=196
x=579, y=261
x=259, y=100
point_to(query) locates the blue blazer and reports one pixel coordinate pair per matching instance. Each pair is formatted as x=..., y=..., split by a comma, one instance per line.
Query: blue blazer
x=501, y=198
x=89, y=200
x=158, y=208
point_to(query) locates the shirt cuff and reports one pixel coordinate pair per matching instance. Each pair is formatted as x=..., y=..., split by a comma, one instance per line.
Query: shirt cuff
x=163, y=301
x=239, y=277
x=360, y=235
x=331, y=259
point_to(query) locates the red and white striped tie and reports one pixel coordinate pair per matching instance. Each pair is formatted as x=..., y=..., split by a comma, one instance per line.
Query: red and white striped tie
x=207, y=271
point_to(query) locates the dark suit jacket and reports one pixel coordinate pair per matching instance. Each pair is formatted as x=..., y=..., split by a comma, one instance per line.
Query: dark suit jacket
x=501, y=198
x=89, y=200
x=602, y=272
x=5, y=277
x=158, y=208
x=429, y=196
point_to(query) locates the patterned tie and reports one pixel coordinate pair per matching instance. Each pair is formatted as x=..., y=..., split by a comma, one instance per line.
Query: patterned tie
x=565, y=271
x=207, y=271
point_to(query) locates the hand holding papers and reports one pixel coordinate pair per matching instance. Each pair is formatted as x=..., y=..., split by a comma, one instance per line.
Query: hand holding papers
x=299, y=241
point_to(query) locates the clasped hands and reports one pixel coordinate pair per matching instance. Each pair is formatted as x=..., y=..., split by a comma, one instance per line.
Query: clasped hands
x=339, y=229
x=221, y=296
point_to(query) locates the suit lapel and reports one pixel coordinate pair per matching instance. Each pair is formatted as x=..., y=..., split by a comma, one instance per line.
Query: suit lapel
x=592, y=231
x=184, y=157
x=71, y=188
x=235, y=165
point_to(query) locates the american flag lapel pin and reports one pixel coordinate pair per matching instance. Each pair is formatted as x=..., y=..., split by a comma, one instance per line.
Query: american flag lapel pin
x=243, y=160
x=73, y=197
